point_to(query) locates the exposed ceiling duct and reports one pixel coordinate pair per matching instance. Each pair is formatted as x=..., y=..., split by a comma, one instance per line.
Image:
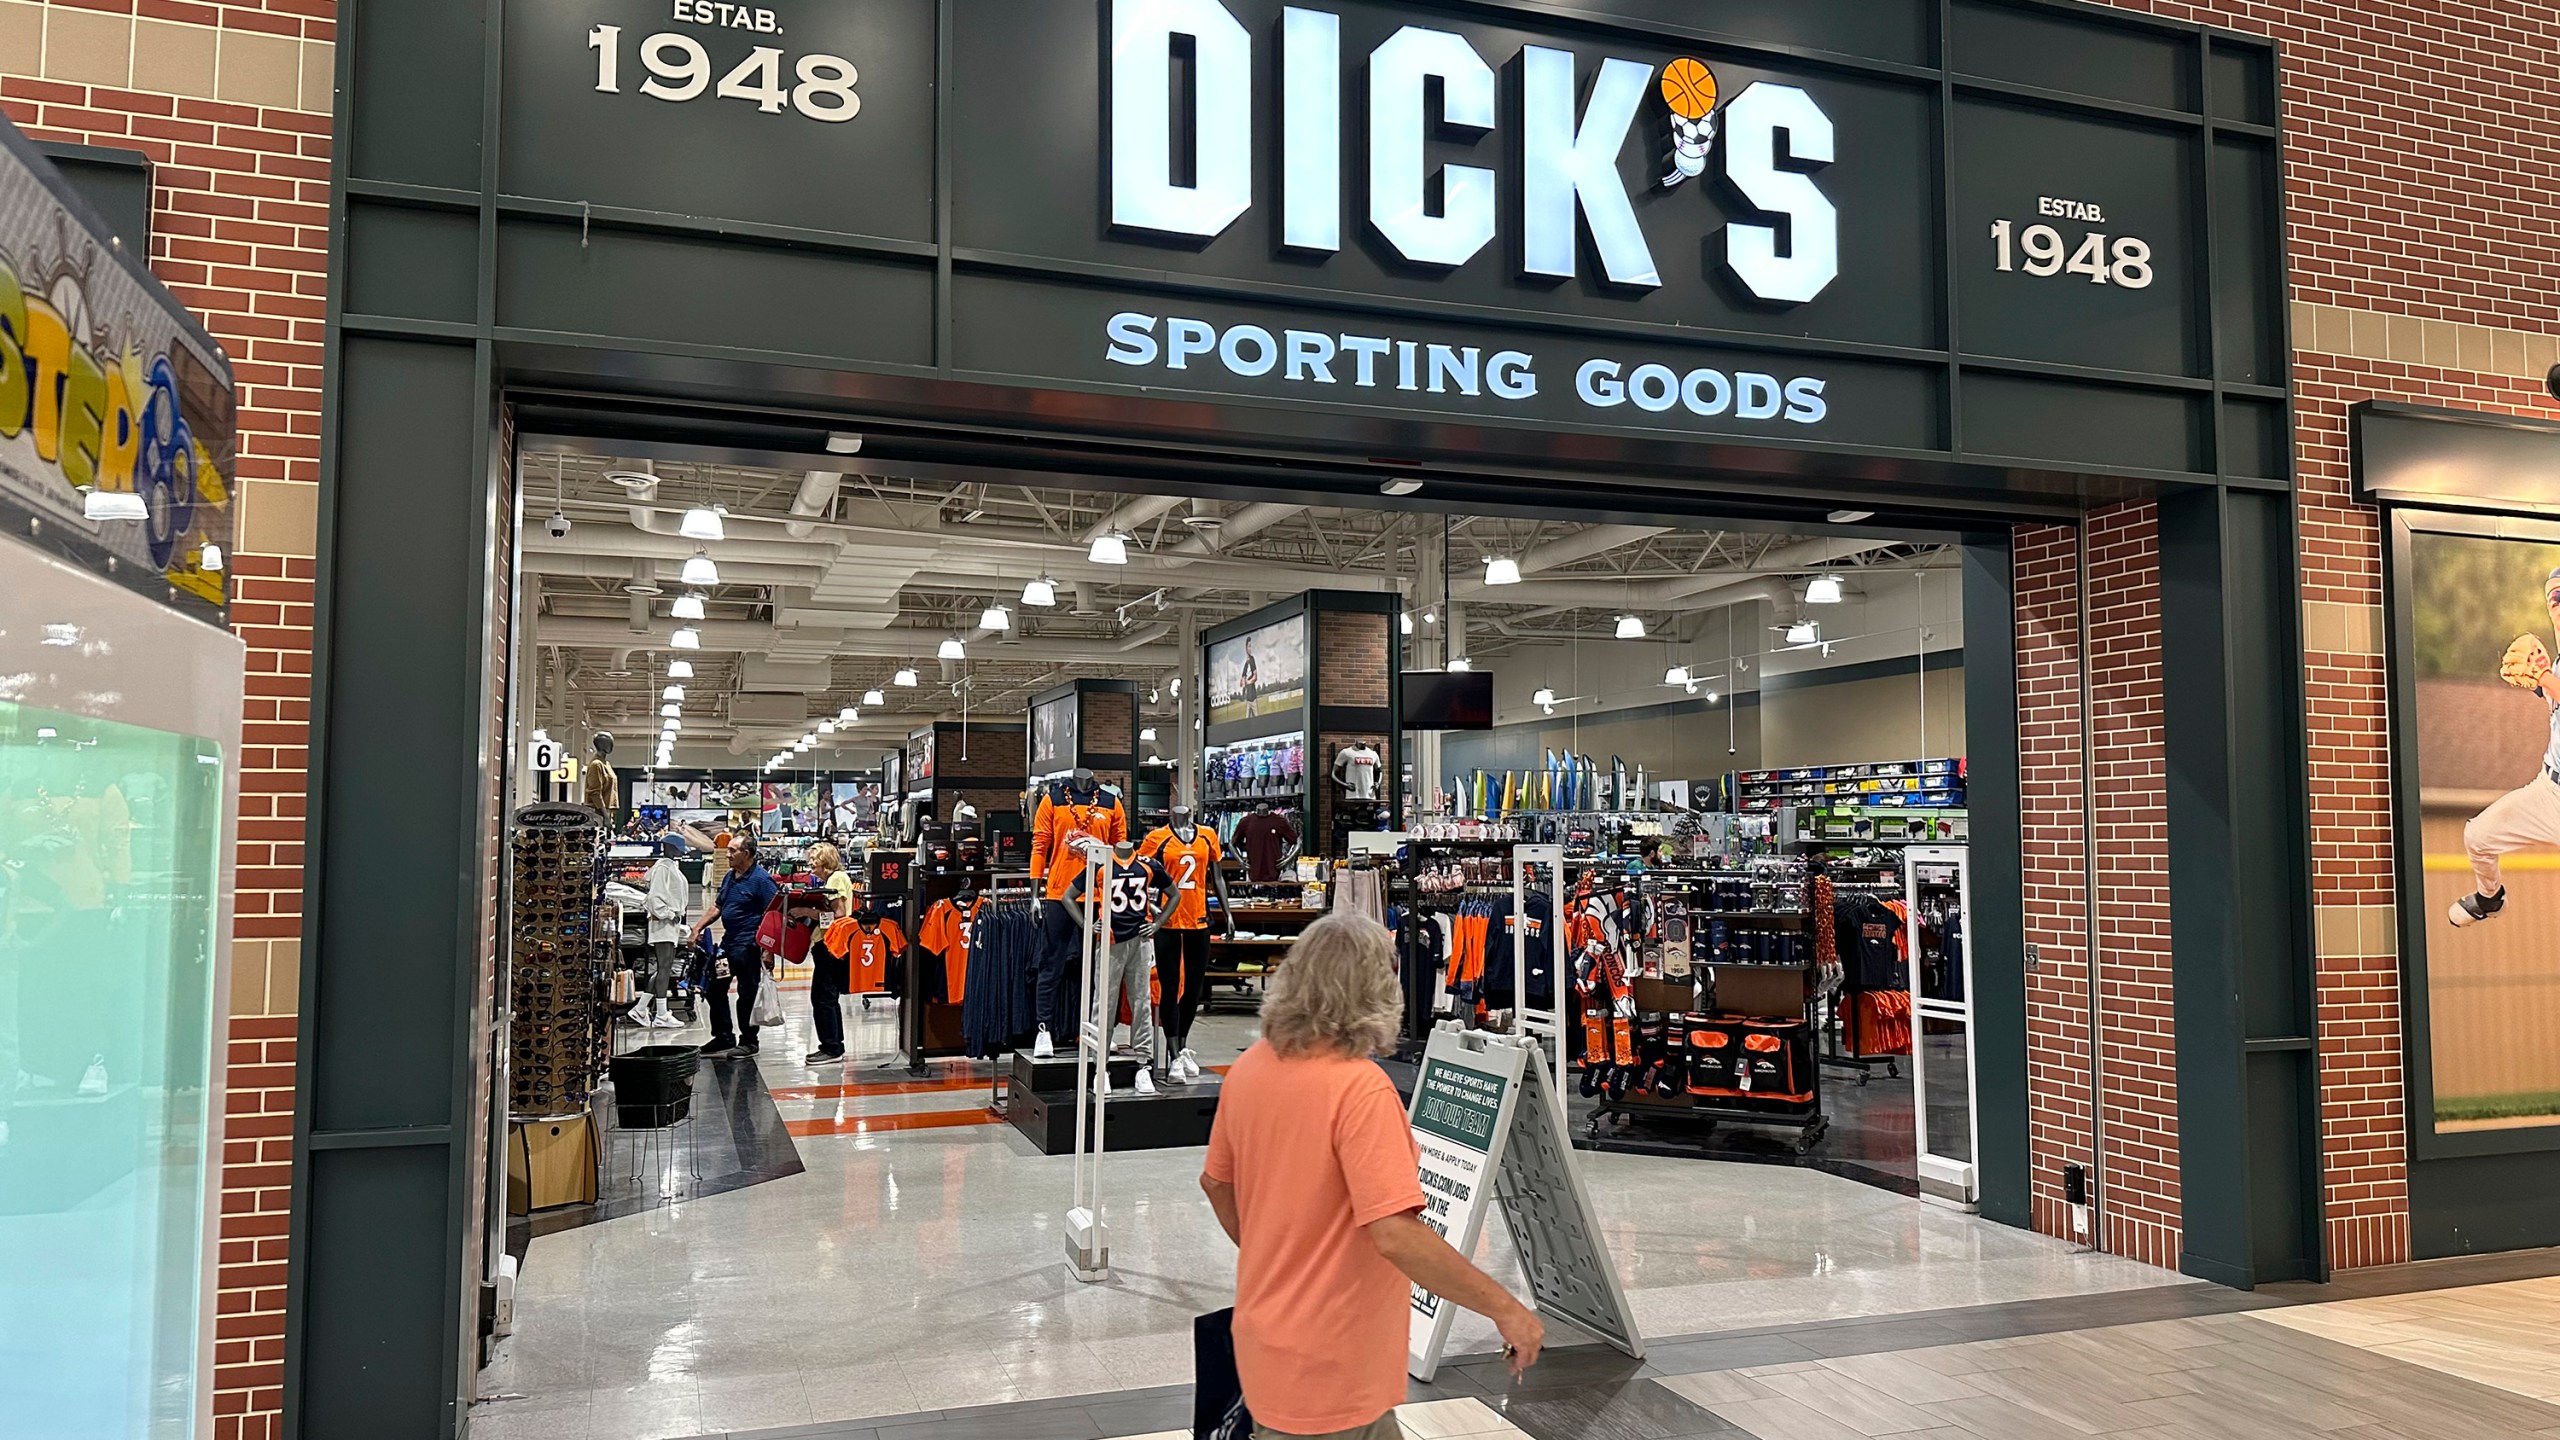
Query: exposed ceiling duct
x=1678, y=592
x=817, y=496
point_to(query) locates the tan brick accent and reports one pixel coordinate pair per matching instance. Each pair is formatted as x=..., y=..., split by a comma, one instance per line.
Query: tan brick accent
x=240, y=235
x=277, y=54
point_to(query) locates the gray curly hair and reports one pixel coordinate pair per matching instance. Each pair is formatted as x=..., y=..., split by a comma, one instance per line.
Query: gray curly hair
x=1336, y=990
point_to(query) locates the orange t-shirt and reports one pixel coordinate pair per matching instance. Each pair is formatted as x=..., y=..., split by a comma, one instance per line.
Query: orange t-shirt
x=1189, y=865
x=1320, y=1314
x=947, y=930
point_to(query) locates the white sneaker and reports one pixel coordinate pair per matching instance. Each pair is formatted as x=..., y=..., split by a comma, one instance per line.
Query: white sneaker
x=1188, y=1062
x=664, y=1019
x=93, y=1081
x=1043, y=1048
x=1146, y=1081
x=638, y=1014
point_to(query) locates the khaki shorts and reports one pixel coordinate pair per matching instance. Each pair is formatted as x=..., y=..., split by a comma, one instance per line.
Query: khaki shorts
x=1382, y=1428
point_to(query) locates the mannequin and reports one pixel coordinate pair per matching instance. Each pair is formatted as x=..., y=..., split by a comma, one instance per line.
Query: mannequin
x=1355, y=769
x=1262, y=835
x=1191, y=855
x=603, y=787
x=1071, y=813
x=1138, y=897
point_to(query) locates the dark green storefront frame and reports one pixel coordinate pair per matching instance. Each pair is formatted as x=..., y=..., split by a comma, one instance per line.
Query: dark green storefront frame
x=423, y=377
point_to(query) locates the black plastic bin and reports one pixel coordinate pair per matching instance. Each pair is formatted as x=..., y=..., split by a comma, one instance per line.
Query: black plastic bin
x=653, y=1086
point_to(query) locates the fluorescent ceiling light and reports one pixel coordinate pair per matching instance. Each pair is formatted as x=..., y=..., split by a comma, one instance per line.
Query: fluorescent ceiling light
x=1400, y=487
x=1676, y=675
x=679, y=669
x=702, y=523
x=874, y=697
x=995, y=617
x=688, y=606
x=687, y=638
x=1822, y=590
x=952, y=649
x=1502, y=570
x=1109, y=548
x=1041, y=594
x=700, y=572
x=1544, y=696
x=1462, y=665
x=904, y=679
x=844, y=442
x=211, y=560
x=1850, y=517
x=1804, y=632
x=115, y=505
x=672, y=692
x=1630, y=627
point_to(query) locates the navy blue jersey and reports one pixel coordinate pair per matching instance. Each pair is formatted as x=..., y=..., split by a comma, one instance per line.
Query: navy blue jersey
x=1131, y=894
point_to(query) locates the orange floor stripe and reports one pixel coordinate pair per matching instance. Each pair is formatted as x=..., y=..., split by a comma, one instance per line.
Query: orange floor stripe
x=860, y=1088
x=882, y=1124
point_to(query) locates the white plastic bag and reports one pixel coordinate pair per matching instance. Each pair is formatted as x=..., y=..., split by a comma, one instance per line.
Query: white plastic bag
x=768, y=1001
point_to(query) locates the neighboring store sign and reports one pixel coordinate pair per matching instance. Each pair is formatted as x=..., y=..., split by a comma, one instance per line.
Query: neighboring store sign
x=1424, y=207
x=117, y=418
x=1489, y=1125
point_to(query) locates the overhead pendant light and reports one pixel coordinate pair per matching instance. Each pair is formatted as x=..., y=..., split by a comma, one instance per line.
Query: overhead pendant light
x=702, y=522
x=671, y=711
x=995, y=617
x=1822, y=590
x=1677, y=675
x=688, y=606
x=1175, y=685
x=1713, y=697
x=847, y=715
x=827, y=727
x=210, y=560
x=1502, y=570
x=686, y=638
x=874, y=697
x=672, y=692
x=1630, y=627
x=1804, y=632
x=1041, y=594
x=1850, y=517
x=810, y=738
x=1461, y=666
x=1400, y=487
x=1545, y=696
x=904, y=679
x=1147, y=736
x=115, y=505
x=1109, y=548
x=843, y=442
x=1431, y=616
x=952, y=649
x=803, y=747
x=699, y=572
x=679, y=669
x=1404, y=622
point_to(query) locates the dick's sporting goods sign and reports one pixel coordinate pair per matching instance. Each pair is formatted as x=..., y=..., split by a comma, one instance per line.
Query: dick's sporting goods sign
x=1782, y=223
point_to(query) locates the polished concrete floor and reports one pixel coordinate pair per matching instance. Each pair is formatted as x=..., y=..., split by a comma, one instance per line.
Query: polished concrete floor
x=915, y=1266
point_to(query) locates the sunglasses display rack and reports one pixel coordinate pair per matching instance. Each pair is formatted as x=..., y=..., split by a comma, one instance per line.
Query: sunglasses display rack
x=562, y=944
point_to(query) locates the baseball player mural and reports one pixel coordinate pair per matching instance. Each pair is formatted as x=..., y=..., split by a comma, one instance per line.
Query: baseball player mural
x=2528, y=815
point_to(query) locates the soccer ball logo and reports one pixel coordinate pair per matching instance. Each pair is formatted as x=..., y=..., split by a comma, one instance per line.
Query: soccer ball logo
x=1689, y=88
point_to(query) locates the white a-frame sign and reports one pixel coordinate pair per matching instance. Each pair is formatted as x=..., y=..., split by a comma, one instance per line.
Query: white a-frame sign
x=1490, y=1125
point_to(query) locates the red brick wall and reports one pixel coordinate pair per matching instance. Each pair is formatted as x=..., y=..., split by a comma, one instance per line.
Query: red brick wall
x=239, y=217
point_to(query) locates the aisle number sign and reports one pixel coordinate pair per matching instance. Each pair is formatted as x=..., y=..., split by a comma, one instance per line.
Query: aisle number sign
x=544, y=756
x=1489, y=1125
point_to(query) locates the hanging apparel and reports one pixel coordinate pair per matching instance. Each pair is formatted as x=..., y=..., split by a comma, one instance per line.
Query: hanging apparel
x=1359, y=892
x=999, y=1010
x=1879, y=1023
x=1263, y=835
x=946, y=932
x=1506, y=935
x=1067, y=816
x=1867, y=933
x=867, y=946
x=1191, y=863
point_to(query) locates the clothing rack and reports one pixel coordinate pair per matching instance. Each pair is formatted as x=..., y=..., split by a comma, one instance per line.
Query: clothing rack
x=1005, y=889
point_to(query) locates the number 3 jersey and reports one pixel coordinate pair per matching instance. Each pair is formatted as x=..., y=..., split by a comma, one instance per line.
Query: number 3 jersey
x=1190, y=863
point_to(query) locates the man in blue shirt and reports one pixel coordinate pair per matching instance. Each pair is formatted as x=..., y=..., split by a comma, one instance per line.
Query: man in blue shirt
x=745, y=894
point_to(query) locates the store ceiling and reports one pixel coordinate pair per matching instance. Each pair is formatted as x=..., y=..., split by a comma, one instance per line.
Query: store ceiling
x=849, y=576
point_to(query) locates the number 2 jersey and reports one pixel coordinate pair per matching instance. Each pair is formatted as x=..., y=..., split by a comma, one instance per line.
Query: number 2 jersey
x=1190, y=864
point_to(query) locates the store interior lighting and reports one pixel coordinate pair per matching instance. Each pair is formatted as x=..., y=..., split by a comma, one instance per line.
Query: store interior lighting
x=1041, y=594
x=672, y=712
x=686, y=638
x=1630, y=627
x=679, y=669
x=672, y=692
x=1502, y=570
x=1147, y=737
x=874, y=697
x=210, y=560
x=1677, y=675
x=844, y=442
x=689, y=606
x=995, y=617
x=1109, y=548
x=904, y=679
x=847, y=715
x=1804, y=632
x=1400, y=488
x=952, y=649
x=1822, y=590
x=699, y=572
x=1461, y=666
x=827, y=726
x=1545, y=696
x=1404, y=622
x=1850, y=517
x=703, y=523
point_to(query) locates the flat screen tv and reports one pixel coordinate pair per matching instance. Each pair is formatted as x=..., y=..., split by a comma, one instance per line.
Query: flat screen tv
x=1437, y=700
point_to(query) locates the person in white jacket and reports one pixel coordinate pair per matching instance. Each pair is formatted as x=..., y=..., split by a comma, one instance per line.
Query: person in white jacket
x=670, y=917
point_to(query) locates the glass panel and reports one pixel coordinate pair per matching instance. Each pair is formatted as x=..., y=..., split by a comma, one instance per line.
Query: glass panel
x=108, y=870
x=1944, y=1087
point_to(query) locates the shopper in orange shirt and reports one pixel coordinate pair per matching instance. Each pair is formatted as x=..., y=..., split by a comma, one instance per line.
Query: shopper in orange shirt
x=1313, y=1172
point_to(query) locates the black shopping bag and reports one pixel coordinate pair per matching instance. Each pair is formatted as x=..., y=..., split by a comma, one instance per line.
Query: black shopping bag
x=1217, y=1396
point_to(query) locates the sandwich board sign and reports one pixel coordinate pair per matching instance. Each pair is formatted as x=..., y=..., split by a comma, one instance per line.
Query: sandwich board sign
x=1490, y=1127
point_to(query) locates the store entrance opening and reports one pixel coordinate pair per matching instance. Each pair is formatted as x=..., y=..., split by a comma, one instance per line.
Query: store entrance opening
x=790, y=1152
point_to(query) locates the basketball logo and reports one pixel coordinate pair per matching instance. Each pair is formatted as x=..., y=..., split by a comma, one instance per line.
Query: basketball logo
x=1689, y=90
